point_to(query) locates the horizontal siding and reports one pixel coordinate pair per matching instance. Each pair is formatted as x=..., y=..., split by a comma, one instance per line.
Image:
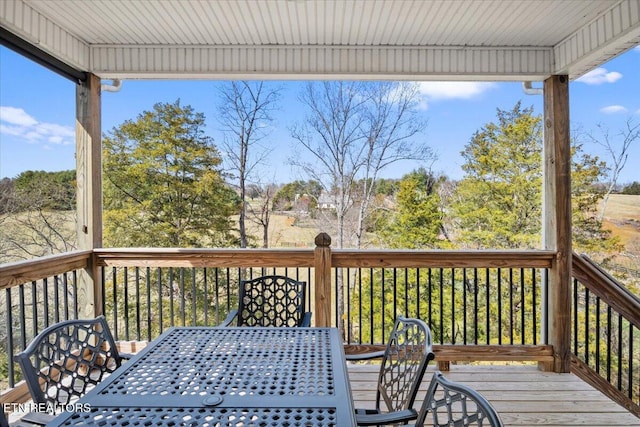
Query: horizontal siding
x=328, y=61
x=38, y=29
x=606, y=36
x=430, y=39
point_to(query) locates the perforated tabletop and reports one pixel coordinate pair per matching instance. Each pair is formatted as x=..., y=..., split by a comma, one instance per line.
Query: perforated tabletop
x=227, y=377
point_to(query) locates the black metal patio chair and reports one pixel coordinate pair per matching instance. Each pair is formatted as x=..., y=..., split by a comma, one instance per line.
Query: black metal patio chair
x=454, y=404
x=449, y=403
x=403, y=365
x=69, y=358
x=270, y=301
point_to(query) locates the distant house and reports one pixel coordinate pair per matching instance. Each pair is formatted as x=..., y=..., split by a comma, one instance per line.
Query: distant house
x=325, y=201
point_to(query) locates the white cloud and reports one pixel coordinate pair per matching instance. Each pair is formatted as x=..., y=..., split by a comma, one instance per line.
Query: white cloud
x=613, y=109
x=16, y=116
x=453, y=90
x=599, y=76
x=18, y=123
x=637, y=48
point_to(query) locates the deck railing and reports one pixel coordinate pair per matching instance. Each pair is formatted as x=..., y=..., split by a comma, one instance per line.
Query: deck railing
x=606, y=333
x=481, y=305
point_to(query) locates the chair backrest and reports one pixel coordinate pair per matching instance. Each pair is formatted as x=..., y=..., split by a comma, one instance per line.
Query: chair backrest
x=405, y=360
x=272, y=301
x=67, y=359
x=451, y=403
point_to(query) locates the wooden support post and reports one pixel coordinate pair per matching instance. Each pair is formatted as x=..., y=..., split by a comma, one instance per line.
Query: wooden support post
x=89, y=189
x=322, y=266
x=557, y=216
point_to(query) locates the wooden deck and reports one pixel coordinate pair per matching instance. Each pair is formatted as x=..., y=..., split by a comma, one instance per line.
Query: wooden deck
x=523, y=395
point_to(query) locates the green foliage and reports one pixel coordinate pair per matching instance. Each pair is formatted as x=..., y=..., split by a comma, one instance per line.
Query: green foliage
x=286, y=196
x=45, y=190
x=498, y=203
x=469, y=306
x=386, y=187
x=416, y=222
x=163, y=184
x=633, y=188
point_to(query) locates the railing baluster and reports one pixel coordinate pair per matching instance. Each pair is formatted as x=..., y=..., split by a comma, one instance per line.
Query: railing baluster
x=453, y=307
x=609, y=334
x=148, y=283
x=205, y=286
x=464, y=306
x=56, y=299
x=194, y=307
x=511, y=312
x=161, y=322
x=171, y=299
x=9, y=320
x=620, y=352
x=488, y=305
x=630, y=384
x=587, y=300
x=441, y=283
x=597, y=333
x=137, y=288
x=125, y=287
x=45, y=293
x=183, y=297
x=499, y=281
x=534, y=305
x=23, y=320
x=476, y=307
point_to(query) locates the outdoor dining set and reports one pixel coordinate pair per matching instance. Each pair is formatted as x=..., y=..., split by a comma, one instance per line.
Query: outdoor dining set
x=263, y=366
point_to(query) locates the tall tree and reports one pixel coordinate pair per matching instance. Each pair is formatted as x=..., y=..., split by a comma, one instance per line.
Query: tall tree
x=352, y=132
x=163, y=182
x=391, y=127
x=332, y=140
x=245, y=110
x=417, y=220
x=498, y=202
x=587, y=231
x=617, y=147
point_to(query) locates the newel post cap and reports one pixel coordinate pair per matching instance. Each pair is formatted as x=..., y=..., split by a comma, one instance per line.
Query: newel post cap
x=323, y=240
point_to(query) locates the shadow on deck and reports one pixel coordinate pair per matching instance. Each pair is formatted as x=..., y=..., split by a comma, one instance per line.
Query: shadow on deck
x=523, y=395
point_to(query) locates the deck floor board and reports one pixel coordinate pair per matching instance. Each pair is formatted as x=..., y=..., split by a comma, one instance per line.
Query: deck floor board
x=523, y=395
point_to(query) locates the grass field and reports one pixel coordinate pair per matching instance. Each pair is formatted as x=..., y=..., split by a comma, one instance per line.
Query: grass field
x=622, y=216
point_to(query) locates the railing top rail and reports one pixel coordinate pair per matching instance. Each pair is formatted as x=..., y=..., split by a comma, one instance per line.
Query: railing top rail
x=443, y=258
x=25, y=271
x=607, y=288
x=203, y=257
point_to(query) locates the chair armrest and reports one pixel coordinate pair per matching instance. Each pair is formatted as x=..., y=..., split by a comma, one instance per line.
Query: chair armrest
x=387, y=418
x=232, y=315
x=306, y=320
x=365, y=356
x=125, y=356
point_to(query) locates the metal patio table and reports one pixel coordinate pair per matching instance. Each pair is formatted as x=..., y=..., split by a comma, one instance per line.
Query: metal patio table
x=206, y=376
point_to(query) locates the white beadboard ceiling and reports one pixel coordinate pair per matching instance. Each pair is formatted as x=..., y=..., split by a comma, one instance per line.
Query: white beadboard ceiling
x=307, y=39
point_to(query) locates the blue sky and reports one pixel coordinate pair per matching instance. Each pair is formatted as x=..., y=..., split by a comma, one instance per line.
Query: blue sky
x=37, y=113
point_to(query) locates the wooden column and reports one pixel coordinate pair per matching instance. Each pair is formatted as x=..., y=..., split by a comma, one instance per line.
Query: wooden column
x=322, y=266
x=89, y=188
x=557, y=215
